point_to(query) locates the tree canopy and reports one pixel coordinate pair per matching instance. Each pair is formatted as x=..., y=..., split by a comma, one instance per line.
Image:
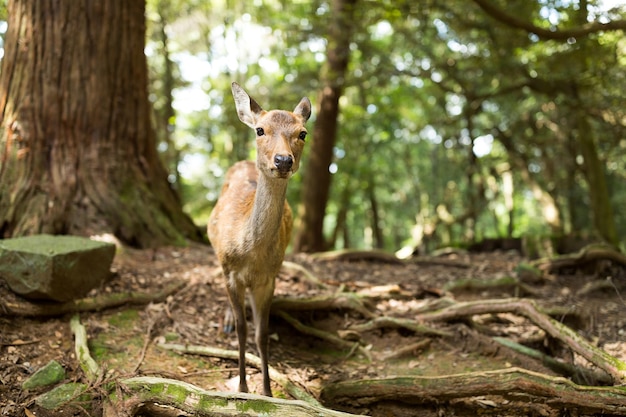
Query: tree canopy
x=456, y=120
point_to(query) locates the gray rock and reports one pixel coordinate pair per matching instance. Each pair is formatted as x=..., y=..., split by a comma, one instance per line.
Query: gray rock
x=58, y=268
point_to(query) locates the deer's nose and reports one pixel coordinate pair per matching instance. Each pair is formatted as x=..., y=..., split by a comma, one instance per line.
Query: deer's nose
x=283, y=162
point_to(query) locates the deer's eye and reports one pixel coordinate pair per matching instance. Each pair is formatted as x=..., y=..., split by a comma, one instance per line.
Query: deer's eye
x=260, y=131
x=302, y=135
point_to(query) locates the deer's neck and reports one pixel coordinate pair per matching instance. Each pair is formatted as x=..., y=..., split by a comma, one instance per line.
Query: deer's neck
x=267, y=210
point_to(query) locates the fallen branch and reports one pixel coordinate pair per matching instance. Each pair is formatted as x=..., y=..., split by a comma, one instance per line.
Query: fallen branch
x=194, y=400
x=281, y=379
x=21, y=307
x=527, y=308
x=521, y=387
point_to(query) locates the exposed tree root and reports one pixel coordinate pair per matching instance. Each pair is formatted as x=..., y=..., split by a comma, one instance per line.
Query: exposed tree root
x=21, y=307
x=433, y=260
x=395, y=323
x=168, y=397
x=527, y=308
x=504, y=283
x=292, y=267
x=87, y=363
x=505, y=390
x=409, y=350
x=147, y=391
x=513, y=384
x=281, y=379
x=357, y=255
x=578, y=374
x=329, y=337
x=343, y=300
x=587, y=255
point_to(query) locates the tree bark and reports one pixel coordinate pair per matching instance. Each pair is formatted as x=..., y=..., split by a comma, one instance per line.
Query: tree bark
x=523, y=389
x=317, y=178
x=77, y=149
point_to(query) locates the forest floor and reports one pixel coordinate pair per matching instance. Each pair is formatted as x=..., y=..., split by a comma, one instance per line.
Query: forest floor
x=124, y=340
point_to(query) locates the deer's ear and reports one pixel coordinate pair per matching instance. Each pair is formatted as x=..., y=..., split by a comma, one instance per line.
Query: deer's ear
x=248, y=110
x=304, y=108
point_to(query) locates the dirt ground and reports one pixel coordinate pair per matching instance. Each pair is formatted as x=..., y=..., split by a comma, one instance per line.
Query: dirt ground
x=119, y=337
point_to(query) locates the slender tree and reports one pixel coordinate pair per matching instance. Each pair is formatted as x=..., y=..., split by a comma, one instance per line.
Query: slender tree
x=317, y=177
x=77, y=149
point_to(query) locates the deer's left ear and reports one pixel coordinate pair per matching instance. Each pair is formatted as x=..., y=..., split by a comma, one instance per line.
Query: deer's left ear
x=304, y=108
x=248, y=110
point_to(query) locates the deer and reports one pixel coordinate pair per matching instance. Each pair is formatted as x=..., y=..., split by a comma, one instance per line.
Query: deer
x=250, y=225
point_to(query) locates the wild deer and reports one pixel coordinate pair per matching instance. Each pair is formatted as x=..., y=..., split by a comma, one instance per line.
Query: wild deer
x=251, y=223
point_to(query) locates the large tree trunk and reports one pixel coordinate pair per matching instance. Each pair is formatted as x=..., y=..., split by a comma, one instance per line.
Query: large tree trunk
x=77, y=150
x=316, y=186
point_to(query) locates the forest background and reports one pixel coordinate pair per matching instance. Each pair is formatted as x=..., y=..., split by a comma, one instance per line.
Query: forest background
x=434, y=123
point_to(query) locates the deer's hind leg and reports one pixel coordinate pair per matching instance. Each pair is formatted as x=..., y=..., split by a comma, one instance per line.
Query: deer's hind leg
x=236, y=296
x=261, y=300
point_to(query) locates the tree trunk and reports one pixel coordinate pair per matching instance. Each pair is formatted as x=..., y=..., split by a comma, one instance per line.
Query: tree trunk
x=599, y=198
x=77, y=149
x=593, y=166
x=377, y=232
x=317, y=178
x=166, y=114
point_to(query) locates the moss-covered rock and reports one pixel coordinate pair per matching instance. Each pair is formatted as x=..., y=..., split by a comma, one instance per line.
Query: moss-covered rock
x=58, y=268
x=72, y=392
x=49, y=374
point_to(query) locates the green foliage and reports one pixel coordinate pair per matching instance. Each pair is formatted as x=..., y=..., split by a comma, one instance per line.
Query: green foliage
x=443, y=102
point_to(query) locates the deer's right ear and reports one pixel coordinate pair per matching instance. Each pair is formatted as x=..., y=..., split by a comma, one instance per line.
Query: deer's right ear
x=304, y=108
x=248, y=110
